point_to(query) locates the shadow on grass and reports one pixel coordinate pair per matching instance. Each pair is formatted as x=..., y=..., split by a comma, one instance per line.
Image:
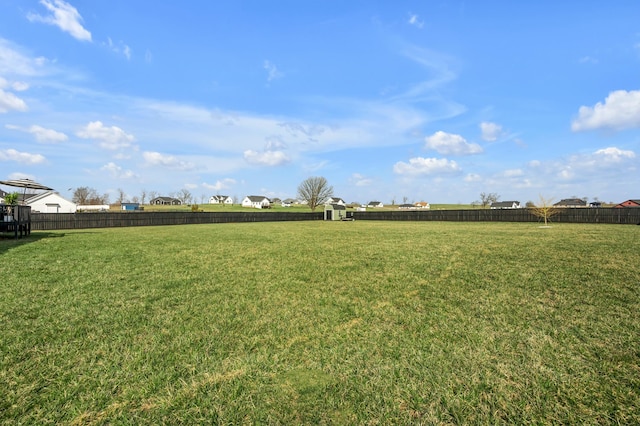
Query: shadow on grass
x=7, y=241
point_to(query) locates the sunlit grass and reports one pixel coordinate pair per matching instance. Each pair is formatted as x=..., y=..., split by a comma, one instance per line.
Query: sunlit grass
x=316, y=322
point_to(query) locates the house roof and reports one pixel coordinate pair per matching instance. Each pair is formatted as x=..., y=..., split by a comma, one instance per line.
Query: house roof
x=32, y=198
x=627, y=202
x=337, y=206
x=504, y=203
x=373, y=203
x=571, y=202
x=257, y=198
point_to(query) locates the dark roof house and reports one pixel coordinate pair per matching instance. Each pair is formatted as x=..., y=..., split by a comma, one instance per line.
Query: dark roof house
x=165, y=201
x=571, y=202
x=505, y=205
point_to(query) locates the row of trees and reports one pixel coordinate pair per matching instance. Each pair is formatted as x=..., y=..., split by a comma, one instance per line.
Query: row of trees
x=85, y=196
x=314, y=191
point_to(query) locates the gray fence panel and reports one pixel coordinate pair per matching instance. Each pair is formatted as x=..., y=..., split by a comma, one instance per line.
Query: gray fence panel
x=52, y=221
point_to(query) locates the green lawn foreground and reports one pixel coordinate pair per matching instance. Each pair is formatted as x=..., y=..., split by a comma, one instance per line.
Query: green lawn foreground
x=322, y=323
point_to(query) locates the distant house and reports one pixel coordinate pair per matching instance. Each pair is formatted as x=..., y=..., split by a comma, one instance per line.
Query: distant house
x=422, y=205
x=220, y=199
x=407, y=207
x=165, y=201
x=256, y=202
x=595, y=204
x=629, y=203
x=336, y=200
x=376, y=204
x=571, y=202
x=288, y=202
x=506, y=205
x=49, y=202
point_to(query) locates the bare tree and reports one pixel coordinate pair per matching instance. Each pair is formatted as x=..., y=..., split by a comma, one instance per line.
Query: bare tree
x=82, y=194
x=488, y=199
x=143, y=196
x=152, y=195
x=545, y=209
x=315, y=191
x=184, y=195
x=89, y=196
x=121, y=196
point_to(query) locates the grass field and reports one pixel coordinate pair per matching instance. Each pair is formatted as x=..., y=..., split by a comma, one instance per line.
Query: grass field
x=322, y=323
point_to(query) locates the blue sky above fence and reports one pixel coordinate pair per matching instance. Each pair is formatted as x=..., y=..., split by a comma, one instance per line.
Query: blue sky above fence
x=434, y=101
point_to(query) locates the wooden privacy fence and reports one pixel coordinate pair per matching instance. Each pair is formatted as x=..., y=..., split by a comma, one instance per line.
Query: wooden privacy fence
x=565, y=215
x=50, y=221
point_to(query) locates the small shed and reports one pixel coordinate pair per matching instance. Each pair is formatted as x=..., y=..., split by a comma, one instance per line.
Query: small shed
x=335, y=212
x=130, y=206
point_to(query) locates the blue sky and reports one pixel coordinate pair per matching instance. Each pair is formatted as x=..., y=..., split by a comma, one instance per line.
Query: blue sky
x=391, y=101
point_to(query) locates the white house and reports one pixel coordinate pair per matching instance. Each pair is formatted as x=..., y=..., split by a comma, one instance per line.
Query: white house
x=376, y=204
x=335, y=200
x=256, y=202
x=50, y=202
x=506, y=205
x=220, y=199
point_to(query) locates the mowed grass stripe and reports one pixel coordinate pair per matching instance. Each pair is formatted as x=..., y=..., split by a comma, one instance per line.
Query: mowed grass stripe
x=314, y=322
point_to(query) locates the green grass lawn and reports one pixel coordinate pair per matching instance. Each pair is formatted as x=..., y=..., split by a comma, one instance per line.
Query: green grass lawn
x=322, y=323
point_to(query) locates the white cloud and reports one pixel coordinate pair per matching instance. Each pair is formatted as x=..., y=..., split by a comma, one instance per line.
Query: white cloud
x=168, y=161
x=272, y=71
x=10, y=102
x=614, y=155
x=266, y=158
x=21, y=157
x=620, y=110
x=120, y=48
x=47, y=135
x=64, y=16
x=41, y=134
x=426, y=166
x=513, y=173
x=13, y=62
x=220, y=184
x=117, y=172
x=609, y=164
x=20, y=86
x=110, y=137
x=415, y=21
x=451, y=144
x=490, y=131
x=359, y=180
